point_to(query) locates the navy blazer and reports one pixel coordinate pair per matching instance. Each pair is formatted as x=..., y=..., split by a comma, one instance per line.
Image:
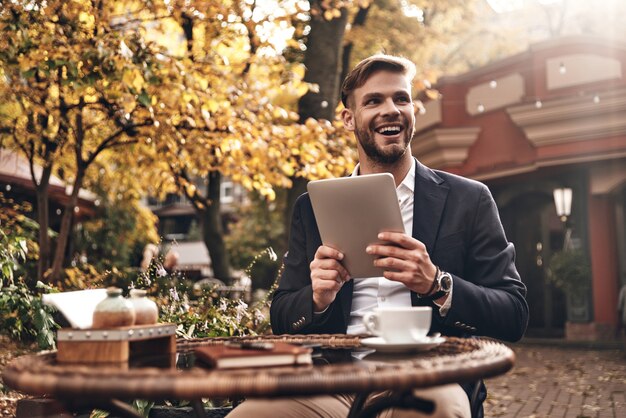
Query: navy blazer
x=457, y=219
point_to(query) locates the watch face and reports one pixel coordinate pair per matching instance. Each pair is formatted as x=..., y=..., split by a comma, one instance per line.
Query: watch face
x=446, y=282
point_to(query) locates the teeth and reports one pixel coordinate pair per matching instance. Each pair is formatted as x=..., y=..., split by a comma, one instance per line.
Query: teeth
x=389, y=129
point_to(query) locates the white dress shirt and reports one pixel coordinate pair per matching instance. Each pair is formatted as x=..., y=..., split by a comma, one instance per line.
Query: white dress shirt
x=374, y=292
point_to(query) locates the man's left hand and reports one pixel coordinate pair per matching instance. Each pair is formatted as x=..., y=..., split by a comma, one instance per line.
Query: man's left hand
x=405, y=260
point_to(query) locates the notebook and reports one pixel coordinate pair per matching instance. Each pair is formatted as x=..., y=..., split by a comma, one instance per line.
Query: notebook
x=253, y=354
x=351, y=212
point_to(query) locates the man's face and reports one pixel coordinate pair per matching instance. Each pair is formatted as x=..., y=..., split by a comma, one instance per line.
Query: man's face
x=381, y=115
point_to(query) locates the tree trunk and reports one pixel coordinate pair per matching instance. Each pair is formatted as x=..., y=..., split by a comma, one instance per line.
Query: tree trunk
x=359, y=21
x=323, y=63
x=298, y=187
x=66, y=228
x=43, y=218
x=209, y=213
x=212, y=231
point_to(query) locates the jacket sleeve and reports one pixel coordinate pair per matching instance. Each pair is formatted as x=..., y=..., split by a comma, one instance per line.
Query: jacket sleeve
x=488, y=296
x=291, y=311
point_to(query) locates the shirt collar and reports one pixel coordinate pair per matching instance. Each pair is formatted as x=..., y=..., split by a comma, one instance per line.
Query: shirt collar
x=409, y=179
x=407, y=182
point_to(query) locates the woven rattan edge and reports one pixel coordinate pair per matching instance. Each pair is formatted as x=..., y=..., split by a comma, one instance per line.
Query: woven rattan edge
x=329, y=341
x=468, y=360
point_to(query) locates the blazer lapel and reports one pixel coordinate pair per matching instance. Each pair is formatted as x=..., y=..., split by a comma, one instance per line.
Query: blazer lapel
x=430, y=198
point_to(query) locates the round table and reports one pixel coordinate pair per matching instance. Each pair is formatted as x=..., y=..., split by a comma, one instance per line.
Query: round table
x=454, y=361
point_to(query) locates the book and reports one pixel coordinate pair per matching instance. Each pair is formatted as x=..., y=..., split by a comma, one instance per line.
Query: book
x=253, y=354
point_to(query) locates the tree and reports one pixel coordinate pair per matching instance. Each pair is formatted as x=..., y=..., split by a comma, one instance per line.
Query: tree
x=76, y=87
x=323, y=62
x=247, y=130
x=83, y=81
x=87, y=82
x=243, y=89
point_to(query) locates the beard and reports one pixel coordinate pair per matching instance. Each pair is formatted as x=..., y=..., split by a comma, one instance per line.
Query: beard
x=378, y=154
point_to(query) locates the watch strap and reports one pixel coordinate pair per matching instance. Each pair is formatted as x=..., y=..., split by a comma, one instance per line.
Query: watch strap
x=440, y=292
x=436, y=295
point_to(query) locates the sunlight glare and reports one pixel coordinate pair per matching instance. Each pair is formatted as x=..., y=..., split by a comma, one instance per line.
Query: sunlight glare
x=504, y=6
x=411, y=10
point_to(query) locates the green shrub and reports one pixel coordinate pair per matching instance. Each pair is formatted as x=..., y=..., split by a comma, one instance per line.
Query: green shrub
x=13, y=249
x=259, y=226
x=570, y=271
x=24, y=317
x=18, y=246
x=204, y=312
x=116, y=236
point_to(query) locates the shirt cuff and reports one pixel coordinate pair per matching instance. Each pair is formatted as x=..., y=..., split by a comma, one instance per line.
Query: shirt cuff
x=445, y=307
x=321, y=312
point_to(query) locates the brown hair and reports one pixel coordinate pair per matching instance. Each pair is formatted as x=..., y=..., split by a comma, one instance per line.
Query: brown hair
x=364, y=69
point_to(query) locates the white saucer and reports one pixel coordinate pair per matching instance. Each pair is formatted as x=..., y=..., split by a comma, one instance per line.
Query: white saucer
x=384, y=347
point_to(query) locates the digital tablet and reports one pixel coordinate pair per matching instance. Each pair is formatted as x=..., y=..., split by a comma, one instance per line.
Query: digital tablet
x=351, y=212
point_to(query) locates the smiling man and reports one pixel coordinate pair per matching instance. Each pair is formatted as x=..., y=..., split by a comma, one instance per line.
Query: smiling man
x=453, y=255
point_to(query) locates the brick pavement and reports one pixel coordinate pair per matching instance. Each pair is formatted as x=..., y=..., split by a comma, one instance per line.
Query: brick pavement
x=561, y=382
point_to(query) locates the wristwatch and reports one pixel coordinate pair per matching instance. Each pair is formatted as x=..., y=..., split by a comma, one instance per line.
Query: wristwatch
x=441, y=286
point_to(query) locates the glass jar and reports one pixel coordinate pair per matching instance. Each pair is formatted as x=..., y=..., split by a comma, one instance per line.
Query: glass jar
x=146, y=311
x=114, y=311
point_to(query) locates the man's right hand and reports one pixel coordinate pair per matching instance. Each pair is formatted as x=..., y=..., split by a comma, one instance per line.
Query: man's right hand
x=327, y=276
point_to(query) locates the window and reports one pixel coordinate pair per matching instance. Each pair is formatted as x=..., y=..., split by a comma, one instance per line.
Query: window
x=227, y=193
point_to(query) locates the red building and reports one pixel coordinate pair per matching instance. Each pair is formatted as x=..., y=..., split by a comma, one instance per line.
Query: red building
x=551, y=117
x=16, y=183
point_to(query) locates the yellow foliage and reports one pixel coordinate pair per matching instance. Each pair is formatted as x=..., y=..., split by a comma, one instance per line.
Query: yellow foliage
x=158, y=109
x=432, y=94
x=299, y=71
x=133, y=78
x=302, y=89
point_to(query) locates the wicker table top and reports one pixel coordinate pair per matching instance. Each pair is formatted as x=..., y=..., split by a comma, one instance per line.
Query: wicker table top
x=456, y=360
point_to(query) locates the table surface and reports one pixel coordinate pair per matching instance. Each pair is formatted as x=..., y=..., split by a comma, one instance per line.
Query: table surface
x=456, y=360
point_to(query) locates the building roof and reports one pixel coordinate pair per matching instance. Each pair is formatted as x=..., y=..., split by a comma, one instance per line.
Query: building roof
x=560, y=103
x=192, y=255
x=175, y=209
x=15, y=170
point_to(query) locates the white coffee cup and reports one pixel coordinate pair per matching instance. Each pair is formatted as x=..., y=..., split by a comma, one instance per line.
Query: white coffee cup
x=401, y=325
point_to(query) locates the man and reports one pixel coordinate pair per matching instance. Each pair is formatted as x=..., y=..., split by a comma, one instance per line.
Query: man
x=453, y=257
